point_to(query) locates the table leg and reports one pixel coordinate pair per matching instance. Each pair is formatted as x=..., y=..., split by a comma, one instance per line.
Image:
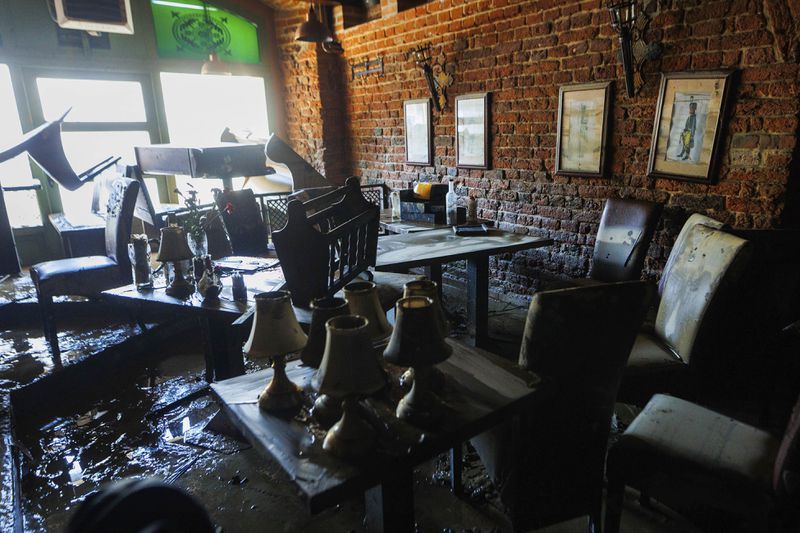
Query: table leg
x=456, y=466
x=390, y=506
x=478, y=301
x=225, y=350
x=434, y=273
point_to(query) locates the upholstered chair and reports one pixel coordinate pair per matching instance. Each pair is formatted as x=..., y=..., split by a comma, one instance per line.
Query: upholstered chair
x=683, y=454
x=580, y=339
x=90, y=275
x=241, y=215
x=698, y=285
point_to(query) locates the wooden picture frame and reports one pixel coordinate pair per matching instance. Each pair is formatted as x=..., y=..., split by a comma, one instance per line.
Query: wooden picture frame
x=419, y=131
x=583, y=129
x=472, y=131
x=688, y=130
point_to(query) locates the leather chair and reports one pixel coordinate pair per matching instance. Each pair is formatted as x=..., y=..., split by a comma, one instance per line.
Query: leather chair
x=579, y=338
x=241, y=215
x=90, y=275
x=698, y=287
x=623, y=238
x=684, y=454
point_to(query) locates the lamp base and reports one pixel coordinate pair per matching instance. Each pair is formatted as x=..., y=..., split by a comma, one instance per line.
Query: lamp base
x=437, y=379
x=417, y=406
x=351, y=436
x=180, y=288
x=326, y=410
x=281, y=394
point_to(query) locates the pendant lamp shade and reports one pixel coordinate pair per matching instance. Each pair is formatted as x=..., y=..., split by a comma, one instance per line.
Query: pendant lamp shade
x=215, y=66
x=312, y=30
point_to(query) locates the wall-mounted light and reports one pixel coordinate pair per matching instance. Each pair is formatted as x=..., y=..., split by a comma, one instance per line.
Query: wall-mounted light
x=630, y=24
x=315, y=30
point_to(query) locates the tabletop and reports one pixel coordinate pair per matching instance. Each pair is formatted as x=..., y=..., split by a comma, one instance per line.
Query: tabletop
x=480, y=391
x=395, y=225
x=442, y=246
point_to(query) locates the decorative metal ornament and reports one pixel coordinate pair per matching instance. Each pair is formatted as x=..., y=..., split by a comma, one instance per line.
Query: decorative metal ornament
x=436, y=75
x=631, y=25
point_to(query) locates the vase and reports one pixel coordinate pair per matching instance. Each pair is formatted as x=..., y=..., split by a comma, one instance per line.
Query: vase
x=199, y=247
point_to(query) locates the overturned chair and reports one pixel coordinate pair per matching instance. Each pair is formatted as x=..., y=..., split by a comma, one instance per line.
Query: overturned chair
x=90, y=275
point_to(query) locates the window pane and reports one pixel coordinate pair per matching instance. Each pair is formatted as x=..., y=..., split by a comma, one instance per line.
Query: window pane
x=92, y=100
x=16, y=171
x=84, y=149
x=199, y=107
x=23, y=209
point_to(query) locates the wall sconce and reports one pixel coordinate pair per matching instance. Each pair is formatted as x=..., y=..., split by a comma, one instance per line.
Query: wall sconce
x=435, y=75
x=315, y=30
x=631, y=27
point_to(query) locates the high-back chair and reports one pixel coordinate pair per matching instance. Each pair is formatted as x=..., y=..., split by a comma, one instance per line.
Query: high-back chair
x=623, y=238
x=241, y=215
x=90, y=275
x=698, y=284
x=579, y=338
x=679, y=452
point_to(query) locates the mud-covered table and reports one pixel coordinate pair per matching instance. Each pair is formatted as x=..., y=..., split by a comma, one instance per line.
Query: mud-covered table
x=223, y=342
x=397, y=253
x=481, y=390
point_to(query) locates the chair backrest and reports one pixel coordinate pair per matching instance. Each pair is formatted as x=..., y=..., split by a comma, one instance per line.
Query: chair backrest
x=242, y=217
x=623, y=238
x=786, y=473
x=706, y=264
x=581, y=339
x=694, y=219
x=119, y=219
x=327, y=242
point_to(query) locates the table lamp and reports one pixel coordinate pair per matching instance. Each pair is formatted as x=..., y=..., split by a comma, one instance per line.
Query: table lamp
x=349, y=370
x=362, y=297
x=417, y=344
x=322, y=309
x=174, y=248
x=426, y=287
x=276, y=333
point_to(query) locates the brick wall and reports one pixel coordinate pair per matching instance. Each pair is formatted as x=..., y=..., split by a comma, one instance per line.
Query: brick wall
x=522, y=52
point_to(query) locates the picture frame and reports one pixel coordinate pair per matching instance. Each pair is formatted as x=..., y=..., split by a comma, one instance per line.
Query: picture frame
x=688, y=130
x=583, y=129
x=472, y=130
x=419, y=131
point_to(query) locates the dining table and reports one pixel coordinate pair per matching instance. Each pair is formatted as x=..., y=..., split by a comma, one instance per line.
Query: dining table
x=436, y=247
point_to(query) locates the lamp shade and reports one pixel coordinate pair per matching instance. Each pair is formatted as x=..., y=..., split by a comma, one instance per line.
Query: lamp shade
x=416, y=340
x=215, y=66
x=173, y=246
x=426, y=287
x=362, y=297
x=312, y=30
x=322, y=309
x=275, y=328
x=349, y=366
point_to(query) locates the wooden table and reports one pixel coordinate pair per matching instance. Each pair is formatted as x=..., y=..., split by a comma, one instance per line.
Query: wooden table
x=481, y=390
x=223, y=343
x=395, y=225
x=397, y=253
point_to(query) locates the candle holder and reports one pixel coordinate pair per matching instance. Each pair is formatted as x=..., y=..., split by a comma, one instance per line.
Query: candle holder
x=276, y=333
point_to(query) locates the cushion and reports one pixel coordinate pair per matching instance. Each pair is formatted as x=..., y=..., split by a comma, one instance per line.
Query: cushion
x=84, y=276
x=677, y=436
x=650, y=354
x=680, y=241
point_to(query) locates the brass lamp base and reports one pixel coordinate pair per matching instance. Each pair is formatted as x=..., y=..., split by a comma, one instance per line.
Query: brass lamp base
x=351, y=436
x=280, y=394
x=416, y=407
x=179, y=288
x=326, y=410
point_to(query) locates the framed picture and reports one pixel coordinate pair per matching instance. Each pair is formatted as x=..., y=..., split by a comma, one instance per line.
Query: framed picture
x=419, y=131
x=472, y=130
x=688, y=126
x=583, y=112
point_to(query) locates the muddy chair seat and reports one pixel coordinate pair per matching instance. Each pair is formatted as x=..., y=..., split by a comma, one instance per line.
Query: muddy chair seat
x=77, y=276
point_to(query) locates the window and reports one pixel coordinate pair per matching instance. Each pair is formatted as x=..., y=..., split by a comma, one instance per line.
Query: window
x=108, y=118
x=22, y=205
x=199, y=108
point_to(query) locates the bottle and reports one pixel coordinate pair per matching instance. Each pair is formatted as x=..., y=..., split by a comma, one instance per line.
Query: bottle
x=472, y=210
x=451, y=204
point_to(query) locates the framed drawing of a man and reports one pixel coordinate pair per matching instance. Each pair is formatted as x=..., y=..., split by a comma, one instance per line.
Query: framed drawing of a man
x=583, y=112
x=688, y=127
x=417, y=117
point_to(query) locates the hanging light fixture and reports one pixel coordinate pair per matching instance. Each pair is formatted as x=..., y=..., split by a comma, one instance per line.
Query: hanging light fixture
x=316, y=30
x=213, y=65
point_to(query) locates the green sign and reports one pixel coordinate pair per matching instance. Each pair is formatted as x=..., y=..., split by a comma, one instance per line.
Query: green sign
x=186, y=29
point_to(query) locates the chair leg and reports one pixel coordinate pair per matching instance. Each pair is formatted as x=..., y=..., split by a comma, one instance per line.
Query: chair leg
x=456, y=465
x=49, y=327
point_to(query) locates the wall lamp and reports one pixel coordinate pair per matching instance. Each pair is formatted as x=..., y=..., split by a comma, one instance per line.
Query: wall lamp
x=315, y=30
x=631, y=26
